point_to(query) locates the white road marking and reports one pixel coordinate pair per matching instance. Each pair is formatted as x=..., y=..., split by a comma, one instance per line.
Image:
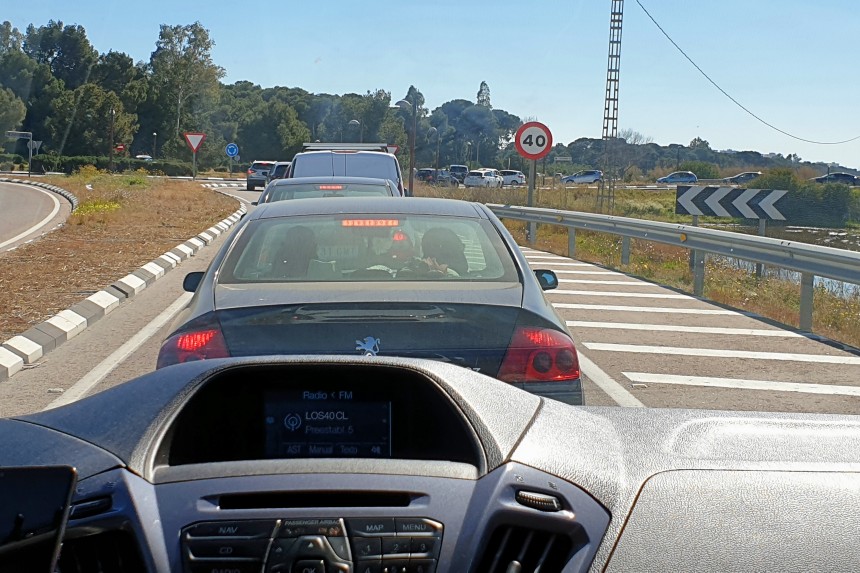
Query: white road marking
x=703, y=311
x=590, y=273
x=572, y=265
x=718, y=353
x=692, y=329
x=547, y=257
x=41, y=223
x=742, y=384
x=599, y=282
x=106, y=366
x=620, y=294
x=606, y=383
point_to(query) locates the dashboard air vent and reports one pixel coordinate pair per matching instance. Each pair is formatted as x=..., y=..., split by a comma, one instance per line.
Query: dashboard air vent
x=522, y=550
x=110, y=552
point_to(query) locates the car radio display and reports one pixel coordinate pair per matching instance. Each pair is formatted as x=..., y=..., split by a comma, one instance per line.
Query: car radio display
x=326, y=424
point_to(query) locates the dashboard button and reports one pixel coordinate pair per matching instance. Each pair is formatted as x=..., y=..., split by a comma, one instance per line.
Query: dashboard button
x=421, y=566
x=366, y=547
x=311, y=546
x=395, y=565
x=424, y=546
x=224, y=566
x=368, y=566
x=379, y=526
x=227, y=547
x=340, y=546
x=418, y=525
x=251, y=528
x=395, y=545
x=309, y=566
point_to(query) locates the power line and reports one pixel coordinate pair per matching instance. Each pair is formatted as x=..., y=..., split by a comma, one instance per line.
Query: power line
x=736, y=102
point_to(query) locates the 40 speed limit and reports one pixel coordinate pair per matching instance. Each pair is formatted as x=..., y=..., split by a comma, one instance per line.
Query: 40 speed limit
x=533, y=140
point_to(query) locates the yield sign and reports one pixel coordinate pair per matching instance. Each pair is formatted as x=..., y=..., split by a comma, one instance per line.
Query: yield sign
x=194, y=140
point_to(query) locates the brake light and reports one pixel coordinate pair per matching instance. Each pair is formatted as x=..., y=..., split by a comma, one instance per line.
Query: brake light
x=192, y=345
x=330, y=187
x=250, y=171
x=370, y=223
x=539, y=355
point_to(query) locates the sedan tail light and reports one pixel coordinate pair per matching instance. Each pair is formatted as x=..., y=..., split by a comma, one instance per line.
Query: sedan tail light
x=539, y=355
x=201, y=341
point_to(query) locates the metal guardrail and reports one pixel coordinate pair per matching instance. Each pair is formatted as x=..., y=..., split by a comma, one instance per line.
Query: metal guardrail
x=809, y=260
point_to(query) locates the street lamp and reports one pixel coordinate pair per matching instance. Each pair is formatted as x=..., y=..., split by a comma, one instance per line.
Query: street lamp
x=110, y=151
x=469, y=155
x=360, y=129
x=154, y=140
x=406, y=105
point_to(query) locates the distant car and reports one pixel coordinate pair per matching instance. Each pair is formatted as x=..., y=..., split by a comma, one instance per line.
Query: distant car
x=415, y=277
x=425, y=175
x=257, y=173
x=483, y=178
x=679, y=177
x=312, y=187
x=838, y=177
x=587, y=176
x=279, y=170
x=459, y=171
x=143, y=157
x=512, y=177
x=348, y=163
x=444, y=178
x=742, y=177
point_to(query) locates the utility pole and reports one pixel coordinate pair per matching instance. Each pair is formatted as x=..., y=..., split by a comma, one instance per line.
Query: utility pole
x=606, y=185
x=110, y=151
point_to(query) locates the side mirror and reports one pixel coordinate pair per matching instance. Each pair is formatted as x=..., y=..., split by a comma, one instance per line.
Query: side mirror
x=547, y=279
x=254, y=203
x=192, y=281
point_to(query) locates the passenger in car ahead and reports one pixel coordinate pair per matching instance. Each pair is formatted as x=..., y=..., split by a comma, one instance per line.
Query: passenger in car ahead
x=442, y=247
x=298, y=257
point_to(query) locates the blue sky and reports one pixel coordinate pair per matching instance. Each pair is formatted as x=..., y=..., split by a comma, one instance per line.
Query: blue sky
x=792, y=62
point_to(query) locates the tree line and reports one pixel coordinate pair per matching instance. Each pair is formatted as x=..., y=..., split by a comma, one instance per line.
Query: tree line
x=80, y=102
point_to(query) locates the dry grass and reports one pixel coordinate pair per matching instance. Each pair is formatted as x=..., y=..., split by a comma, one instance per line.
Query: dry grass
x=836, y=316
x=121, y=224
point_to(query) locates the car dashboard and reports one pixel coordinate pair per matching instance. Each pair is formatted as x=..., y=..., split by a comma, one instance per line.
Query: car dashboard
x=341, y=464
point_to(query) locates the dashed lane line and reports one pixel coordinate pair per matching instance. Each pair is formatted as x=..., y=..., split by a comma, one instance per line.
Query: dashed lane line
x=620, y=294
x=742, y=384
x=689, y=329
x=720, y=353
x=654, y=309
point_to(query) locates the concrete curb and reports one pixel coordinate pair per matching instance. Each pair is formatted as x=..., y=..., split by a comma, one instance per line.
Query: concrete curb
x=28, y=347
x=53, y=188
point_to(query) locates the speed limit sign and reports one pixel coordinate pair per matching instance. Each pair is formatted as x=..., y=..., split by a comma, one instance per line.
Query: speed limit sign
x=533, y=140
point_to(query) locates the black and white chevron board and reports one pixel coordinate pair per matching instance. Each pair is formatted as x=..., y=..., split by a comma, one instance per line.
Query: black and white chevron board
x=732, y=202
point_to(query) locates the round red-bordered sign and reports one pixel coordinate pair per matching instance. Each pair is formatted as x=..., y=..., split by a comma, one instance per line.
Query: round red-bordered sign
x=533, y=140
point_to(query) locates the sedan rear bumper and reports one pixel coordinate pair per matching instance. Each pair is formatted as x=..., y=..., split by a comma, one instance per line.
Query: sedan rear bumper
x=569, y=392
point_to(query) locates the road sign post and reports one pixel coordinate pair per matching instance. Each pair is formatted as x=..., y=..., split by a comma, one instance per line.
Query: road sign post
x=533, y=141
x=194, y=141
x=232, y=151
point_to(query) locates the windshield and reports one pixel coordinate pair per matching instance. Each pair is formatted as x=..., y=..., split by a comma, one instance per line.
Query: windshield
x=349, y=248
x=680, y=201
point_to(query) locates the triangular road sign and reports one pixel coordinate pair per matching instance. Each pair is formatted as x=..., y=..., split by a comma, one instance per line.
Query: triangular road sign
x=194, y=140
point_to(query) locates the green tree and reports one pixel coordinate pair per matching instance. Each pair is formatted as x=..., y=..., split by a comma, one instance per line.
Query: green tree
x=702, y=169
x=117, y=73
x=184, y=80
x=12, y=110
x=10, y=38
x=82, y=122
x=483, y=97
x=65, y=49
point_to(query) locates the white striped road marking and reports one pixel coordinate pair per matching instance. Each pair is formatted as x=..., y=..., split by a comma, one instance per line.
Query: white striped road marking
x=692, y=329
x=106, y=366
x=599, y=282
x=606, y=383
x=547, y=257
x=572, y=265
x=717, y=353
x=708, y=311
x=621, y=294
x=590, y=273
x=767, y=385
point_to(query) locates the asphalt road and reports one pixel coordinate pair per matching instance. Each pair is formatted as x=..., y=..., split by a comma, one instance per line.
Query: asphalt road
x=640, y=345
x=27, y=212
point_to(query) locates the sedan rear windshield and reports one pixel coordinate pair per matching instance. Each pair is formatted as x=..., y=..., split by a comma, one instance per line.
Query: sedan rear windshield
x=368, y=248
x=309, y=190
x=262, y=165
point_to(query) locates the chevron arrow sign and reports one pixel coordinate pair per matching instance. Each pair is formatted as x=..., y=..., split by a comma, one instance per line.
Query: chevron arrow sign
x=734, y=202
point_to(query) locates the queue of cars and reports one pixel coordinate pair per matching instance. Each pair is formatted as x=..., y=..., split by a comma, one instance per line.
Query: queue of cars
x=338, y=259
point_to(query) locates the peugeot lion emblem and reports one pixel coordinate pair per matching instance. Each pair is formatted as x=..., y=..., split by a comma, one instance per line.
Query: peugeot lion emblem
x=369, y=346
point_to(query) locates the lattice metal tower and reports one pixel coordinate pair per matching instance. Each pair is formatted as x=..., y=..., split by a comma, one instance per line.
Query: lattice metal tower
x=606, y=186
